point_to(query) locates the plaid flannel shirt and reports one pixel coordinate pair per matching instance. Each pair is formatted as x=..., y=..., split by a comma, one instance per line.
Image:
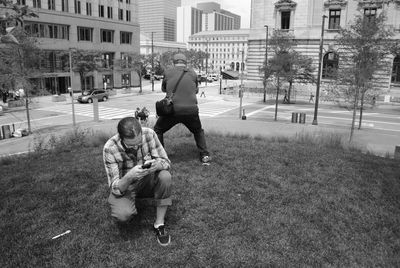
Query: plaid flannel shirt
x=117, y=163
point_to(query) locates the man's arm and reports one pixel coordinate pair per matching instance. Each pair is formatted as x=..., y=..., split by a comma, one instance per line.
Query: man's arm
x=157, y=151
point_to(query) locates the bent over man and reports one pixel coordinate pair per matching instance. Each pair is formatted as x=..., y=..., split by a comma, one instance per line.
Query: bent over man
x=137, y=167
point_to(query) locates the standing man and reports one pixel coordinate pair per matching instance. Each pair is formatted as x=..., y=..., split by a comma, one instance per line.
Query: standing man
x=184, y=99
x=137, y=166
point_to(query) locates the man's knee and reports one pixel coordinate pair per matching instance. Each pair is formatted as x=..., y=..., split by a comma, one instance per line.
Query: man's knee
x=123, y=215
x=164, y=178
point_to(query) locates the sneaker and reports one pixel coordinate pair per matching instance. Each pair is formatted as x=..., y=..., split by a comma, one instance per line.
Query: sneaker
x=163, y=238
x=205, y=160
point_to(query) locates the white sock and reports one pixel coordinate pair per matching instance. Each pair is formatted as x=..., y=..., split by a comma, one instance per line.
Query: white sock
x=158, y=225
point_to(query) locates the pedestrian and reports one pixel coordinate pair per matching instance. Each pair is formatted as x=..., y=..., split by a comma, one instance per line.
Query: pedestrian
x=285, y=98
x=373, y=101
x=202, y=93
x=137, y=166
x=186, y=110
x=311, y=98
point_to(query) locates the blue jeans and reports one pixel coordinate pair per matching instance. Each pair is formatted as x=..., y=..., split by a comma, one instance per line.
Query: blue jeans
x=192, y=122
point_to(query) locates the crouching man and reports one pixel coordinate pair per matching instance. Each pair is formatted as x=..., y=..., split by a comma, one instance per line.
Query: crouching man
x=137, y=167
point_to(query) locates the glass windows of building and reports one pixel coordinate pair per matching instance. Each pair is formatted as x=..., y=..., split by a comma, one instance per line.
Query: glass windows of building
x=85, y=34
x=126, y=38
x=334, y=19
x=106, y=36
x=120, y=14
x=21, y=2
x=370, y=14
x=37, y=3
x=64, y=5
x=128, y=1
x=101, y=11
x=88, y=9
x=396, y=70
x=125, y=79
x=109, y=12
x=108, y=59
x=128, y=15
x=330, y=65
x=169, y=29
x=77, y=7
x=47, y=30
x=285, y=20
x=51, y=4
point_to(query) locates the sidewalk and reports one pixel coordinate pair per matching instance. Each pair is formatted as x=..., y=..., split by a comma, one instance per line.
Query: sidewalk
x=379, y=144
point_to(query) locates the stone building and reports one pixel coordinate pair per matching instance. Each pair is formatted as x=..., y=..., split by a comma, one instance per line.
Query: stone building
x=303, y=19
x=108, y=26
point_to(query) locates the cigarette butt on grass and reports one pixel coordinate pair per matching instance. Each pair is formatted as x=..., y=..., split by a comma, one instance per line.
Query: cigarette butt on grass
x=57, y=236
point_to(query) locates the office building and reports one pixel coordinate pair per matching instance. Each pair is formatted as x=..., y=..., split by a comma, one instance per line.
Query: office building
x=159, y=17
x=303, y=19
x=108, y=27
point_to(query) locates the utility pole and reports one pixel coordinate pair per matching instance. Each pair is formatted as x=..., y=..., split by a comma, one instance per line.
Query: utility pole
x=241, y=86
x=206, y=62
x=152, y=62
x=266, y=64
x=71, y=92
x=321, y=44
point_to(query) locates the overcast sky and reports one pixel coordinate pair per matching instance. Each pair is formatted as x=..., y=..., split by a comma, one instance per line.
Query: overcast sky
x=240, y=7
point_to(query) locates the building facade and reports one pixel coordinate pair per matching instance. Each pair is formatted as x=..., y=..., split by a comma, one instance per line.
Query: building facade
x=64, y=26
x=148, y=46
x=189, y=21
x=303, y=18
x=227, y=50
x=159, y=17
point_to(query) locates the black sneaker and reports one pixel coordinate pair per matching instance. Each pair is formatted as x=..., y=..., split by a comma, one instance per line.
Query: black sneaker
x=163, y=238
x=205, y=160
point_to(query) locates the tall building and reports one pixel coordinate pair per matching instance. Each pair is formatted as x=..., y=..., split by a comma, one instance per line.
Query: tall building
x=195, y=16
x=303, y=18
x=159, y=17
x=109, y=27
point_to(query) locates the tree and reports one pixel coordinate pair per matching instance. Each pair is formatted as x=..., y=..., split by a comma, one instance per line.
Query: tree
x=132, y=62
x=286, y=64
x=363, y=48
x=84, y=62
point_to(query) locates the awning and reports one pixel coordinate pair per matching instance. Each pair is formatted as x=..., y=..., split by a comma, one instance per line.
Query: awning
x=230, y=75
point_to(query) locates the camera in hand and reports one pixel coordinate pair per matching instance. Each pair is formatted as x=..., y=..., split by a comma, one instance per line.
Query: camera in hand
x=146, y=165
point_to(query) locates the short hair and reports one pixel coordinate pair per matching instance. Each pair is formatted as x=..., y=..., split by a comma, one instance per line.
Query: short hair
x=179, y=58
x=129, y=127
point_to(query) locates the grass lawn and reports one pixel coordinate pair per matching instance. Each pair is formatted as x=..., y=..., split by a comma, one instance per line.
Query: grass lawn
x=304, y=201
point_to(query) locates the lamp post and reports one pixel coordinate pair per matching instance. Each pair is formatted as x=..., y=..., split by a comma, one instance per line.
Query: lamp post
x=71, y=90
x=206, y=62
x=266, y=63
x=321, y=44
x=241, y=86
x=152, y=62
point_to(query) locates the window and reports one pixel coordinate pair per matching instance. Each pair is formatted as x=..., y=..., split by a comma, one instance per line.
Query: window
x=101, y=11
x=334, y=19
x=396, y=70
x=128, y=1
x=64, y=5
x=85, y=34
x=43, y=30
x=285, y=20
x=128, y=15
x=109, y=12
x=126, y=38
x=370, y=14
x=89, y=9
x=330, y=65
x=120, y=14
x=51, y=4
x=108, y=59
x=37, y=3
x=125, y=79
x=21, y=2
x=107, y=36
x=77, y=7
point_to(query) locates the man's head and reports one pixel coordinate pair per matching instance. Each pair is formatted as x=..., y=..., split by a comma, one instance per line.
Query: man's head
x=179, y=59
x=130, y=130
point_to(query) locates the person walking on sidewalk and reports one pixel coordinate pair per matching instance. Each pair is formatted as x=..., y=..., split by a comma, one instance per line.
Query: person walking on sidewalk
x=137, y=166
x=202, y=93
x=186, y=110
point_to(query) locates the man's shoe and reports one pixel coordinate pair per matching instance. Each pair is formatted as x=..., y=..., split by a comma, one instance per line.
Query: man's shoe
x=205, y=160
x=163, y=238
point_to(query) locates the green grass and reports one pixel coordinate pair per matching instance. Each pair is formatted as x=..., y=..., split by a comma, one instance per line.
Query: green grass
x=306, y=201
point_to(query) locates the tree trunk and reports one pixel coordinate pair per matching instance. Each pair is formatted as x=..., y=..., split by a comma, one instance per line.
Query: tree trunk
x=140, y=80
x=276, y=100
x=361, y=109
x=354, y=114
x=265, y=90
x=289, y=90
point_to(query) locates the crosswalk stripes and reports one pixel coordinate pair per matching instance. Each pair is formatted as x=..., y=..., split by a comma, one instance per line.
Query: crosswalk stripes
x=87, y=110
x=209, y=109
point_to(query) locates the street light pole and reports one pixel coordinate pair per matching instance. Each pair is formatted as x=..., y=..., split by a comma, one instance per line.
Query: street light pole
x=152, y=62
x=206, y=62
x=321, y=44
x=266, y=63
x=71, y=89
x=241, y=86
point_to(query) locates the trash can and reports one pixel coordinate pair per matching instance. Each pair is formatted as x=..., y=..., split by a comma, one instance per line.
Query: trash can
x=294, y=117
x=6, y=131
x=302, y=119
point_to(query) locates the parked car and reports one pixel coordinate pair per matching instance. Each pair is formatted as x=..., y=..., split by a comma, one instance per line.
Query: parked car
x=89, y=95
x=158, y=76
x=147, y=76
x=201, y=78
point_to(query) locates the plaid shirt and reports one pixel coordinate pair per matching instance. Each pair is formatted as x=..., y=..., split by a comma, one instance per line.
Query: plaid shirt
x=118, y=163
